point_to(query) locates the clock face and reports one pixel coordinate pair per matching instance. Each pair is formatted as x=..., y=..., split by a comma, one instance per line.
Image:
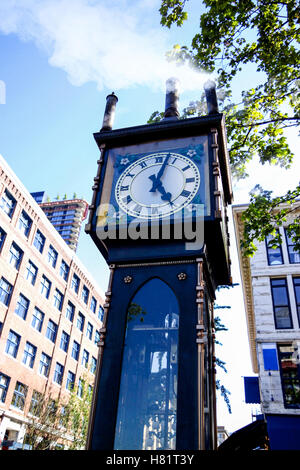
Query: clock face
x=157, y=185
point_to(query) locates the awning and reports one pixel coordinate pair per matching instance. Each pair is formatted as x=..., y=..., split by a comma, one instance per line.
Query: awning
x=251, y=437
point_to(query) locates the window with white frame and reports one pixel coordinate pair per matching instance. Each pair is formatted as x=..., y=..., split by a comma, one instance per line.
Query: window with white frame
x=25, y=223
x=45, y=363
x=31, y=272
x=29, y=354
x=5, y=291
x=37, y=319
x=281, y=303
x=294, y=255
x=15, y=255
x=4, y=384
x=19, y=396
x=22, y=306
x=52, y=256
x=12, y=343
x=8, y=203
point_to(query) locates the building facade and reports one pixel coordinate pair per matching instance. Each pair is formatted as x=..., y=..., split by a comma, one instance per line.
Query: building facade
x=50, y=309
x=271, y=287
x=66, y=216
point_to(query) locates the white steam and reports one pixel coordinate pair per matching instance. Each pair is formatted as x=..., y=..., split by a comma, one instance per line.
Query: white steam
x=110, y=42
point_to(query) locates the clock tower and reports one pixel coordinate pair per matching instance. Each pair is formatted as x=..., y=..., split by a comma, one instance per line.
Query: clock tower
x=158, y=216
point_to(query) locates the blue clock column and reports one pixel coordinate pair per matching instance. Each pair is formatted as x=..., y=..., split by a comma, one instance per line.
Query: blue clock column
x=155, y=385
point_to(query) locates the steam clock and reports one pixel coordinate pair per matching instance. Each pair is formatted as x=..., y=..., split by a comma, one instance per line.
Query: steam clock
x=158, y=216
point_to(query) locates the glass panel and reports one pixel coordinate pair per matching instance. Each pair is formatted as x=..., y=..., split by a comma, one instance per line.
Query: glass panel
x=280, y=296
x=148, y=391
x=283, y=319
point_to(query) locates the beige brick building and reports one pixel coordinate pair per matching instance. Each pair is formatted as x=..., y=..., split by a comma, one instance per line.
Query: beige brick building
x=50, y=309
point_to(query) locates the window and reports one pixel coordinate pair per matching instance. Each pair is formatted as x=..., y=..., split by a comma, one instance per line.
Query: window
x=97, y=336
x=8, y=203
x=15, y=255
x=64, y=341
x=80, y=321
x=22, y=306
x=70, y=381
x=64, y=270
x=52, y=256
x=85, y=358
x=51, y=331
x=80, y=388
x=32, y=271
x=37, y=319
x=39, y=241
x=93, y=365
x=2, y=237
x=75, y=283
x=36, y=403
x=19, y=396
x=75, y=350
x=157, y=368
x=290, y=375
x=100, y=313
x=58, y=299
x=4, y=384
x=294, y=256
x=5, y=291
x=281, y=305
x=25, y=223
x=296, y=281
x=93, y=304
x=58, y=373
x=45, y=362
x=29, y=354
x=45, y=287
x=274, y=254
x=89, y=330
x=70, y=310
x=12, y=343
x=85, y=294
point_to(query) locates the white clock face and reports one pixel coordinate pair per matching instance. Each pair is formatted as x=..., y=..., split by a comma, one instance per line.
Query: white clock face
x=157, y=185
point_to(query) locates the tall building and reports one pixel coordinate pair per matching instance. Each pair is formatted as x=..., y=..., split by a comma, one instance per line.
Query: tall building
x=271, y=287
x=66, y=216
x=50, y=309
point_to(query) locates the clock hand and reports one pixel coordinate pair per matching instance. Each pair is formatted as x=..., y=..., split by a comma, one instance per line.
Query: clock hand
x=164, y=195
x=156, y=179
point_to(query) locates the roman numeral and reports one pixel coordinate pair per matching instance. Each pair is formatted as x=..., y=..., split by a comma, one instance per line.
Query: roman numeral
x=129, y=174
x=174, y=161
x=186, y=167
x=190, y=180
x=137, y=208
x=185, y=193
x=143, y=164
x=127, y=200
x=158, y=159
x=124, y=188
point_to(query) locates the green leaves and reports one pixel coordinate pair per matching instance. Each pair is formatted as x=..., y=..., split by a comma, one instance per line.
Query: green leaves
x=264, y=215
x=263, y=33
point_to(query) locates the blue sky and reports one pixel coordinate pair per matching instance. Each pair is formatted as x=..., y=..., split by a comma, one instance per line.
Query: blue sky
x=59, y=59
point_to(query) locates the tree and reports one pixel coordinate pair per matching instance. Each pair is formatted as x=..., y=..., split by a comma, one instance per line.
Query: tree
x=55, y=423
x=264, y=33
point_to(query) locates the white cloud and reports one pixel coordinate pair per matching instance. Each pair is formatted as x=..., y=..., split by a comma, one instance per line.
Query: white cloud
x=116, y=44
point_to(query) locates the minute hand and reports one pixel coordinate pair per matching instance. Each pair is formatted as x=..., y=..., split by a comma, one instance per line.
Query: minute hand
x=156, y=179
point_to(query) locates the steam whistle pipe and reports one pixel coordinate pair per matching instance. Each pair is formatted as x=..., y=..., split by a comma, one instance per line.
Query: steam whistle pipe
x=211, y=97
x=109, y=113
x=172, y=98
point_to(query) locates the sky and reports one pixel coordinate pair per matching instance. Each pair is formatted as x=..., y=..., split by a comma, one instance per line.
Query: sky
x=59, y=59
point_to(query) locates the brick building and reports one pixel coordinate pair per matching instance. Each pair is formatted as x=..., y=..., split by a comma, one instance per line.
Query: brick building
x=50, y=309
x=271, y=287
